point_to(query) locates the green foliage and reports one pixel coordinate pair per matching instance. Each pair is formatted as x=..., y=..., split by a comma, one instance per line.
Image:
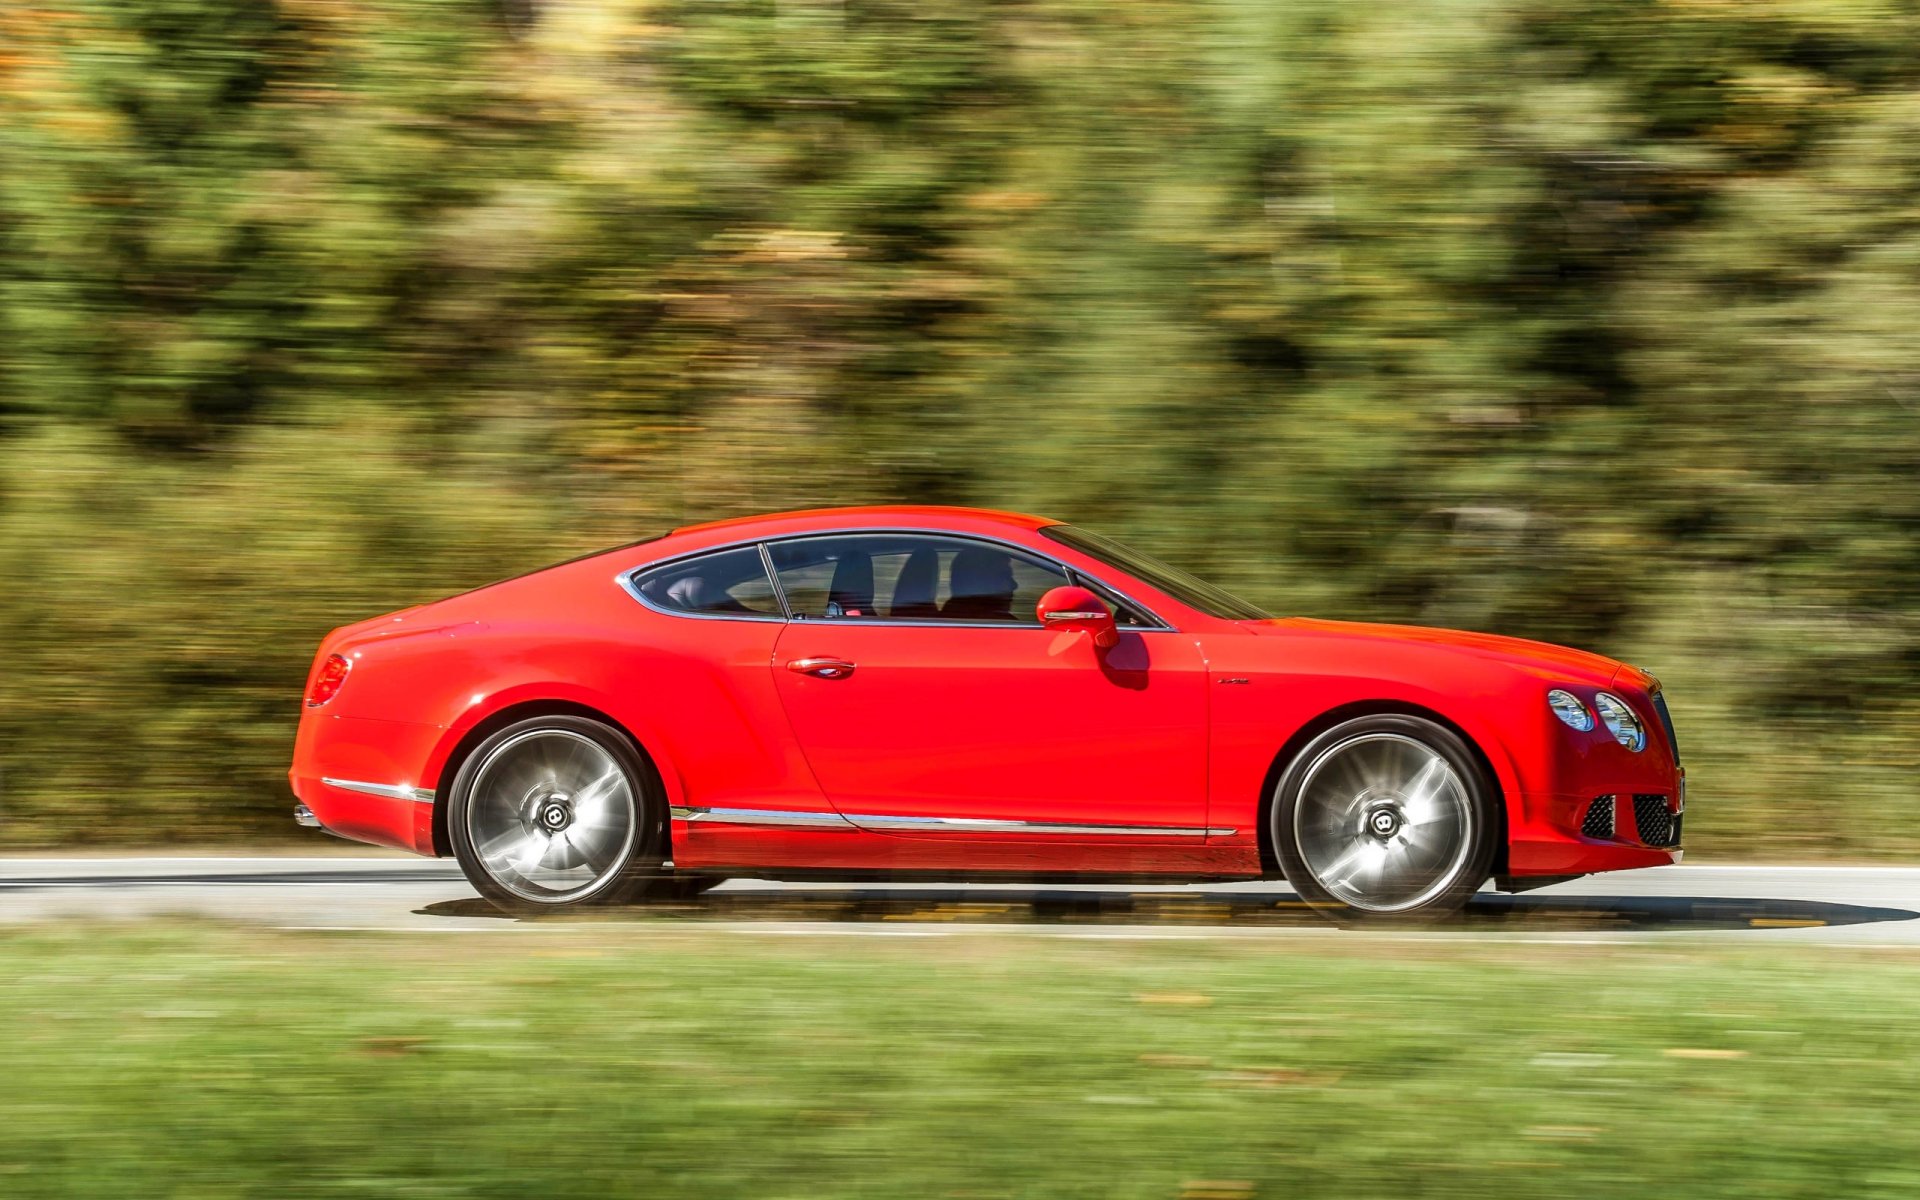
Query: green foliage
x=644, y=1061
x=1588, y=321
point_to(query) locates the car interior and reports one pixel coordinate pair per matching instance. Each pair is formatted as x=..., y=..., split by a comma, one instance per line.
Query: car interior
x=900, y=577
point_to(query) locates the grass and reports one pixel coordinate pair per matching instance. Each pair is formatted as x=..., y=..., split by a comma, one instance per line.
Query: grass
x=203, y=1061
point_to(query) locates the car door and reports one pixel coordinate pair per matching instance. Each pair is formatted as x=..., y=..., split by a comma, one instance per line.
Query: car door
x=702, y=683
x=929, y=700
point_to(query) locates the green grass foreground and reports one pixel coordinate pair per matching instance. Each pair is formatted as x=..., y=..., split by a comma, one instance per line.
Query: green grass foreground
x=208, y=1062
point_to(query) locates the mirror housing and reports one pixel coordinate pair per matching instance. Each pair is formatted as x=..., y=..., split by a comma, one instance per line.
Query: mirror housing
x=1069, y=609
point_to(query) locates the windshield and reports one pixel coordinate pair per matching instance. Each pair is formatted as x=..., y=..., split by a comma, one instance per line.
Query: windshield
x=1194, y=593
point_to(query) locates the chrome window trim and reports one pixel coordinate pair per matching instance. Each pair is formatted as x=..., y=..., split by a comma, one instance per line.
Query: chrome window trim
x=391, y=791
x=773, y=580
x=818, y=820
x=625, y=579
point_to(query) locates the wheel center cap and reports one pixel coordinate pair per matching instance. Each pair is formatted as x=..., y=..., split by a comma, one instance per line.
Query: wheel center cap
x=1383, y=822
x=555, y=815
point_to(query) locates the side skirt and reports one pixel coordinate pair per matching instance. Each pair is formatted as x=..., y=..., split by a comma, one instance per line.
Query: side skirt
x=798, y=875
x=891, y=824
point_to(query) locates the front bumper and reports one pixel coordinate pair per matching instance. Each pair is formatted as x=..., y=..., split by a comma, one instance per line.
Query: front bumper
x=1579, y=834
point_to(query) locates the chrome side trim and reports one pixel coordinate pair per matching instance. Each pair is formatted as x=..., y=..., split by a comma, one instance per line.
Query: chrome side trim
x=762, y=816
x=819, y=820
x=392, y=791
x=302, y=815
x=999, y=825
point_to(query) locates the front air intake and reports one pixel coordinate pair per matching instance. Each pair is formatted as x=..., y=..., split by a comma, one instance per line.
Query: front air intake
x=1599, y=819
x=1655, y=820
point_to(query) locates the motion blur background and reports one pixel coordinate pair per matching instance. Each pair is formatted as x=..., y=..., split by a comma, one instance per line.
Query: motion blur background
x=1587, y=320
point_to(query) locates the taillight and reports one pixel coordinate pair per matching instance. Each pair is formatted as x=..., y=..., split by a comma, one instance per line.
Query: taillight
x=332, y=674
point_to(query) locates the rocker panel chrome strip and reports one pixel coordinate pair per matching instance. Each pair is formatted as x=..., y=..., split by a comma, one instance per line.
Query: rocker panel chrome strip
x=392, y=791
x=818, y=820
x=763, y=816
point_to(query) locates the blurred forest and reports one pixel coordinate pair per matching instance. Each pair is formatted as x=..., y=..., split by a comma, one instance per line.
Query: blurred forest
x=1587, y=320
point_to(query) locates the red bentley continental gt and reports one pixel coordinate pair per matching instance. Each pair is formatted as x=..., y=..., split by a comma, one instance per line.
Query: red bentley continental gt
x=943, y=692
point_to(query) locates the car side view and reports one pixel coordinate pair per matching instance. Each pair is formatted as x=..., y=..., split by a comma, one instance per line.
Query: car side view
x=954, y=693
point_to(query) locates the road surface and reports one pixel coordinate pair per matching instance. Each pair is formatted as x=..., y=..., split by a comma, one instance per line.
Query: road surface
x=1754, y=905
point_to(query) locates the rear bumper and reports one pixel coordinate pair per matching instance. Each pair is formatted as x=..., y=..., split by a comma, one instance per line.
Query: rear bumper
x=360, y=779
x=363, y=817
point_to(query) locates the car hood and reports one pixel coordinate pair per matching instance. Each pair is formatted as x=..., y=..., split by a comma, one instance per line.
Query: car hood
x=1544, y=658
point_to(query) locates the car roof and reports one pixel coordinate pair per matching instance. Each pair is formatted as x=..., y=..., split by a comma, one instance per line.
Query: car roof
x=858, y=516
x=694, y=539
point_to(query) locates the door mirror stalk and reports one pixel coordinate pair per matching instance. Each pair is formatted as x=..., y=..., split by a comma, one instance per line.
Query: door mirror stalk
x=1070, y=609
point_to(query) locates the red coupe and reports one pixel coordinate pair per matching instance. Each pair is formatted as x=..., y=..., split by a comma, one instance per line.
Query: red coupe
x=941, y=692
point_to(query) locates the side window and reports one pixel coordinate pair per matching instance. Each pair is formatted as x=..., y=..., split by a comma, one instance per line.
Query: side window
x=727, y=583
x=1125, y=615
x=910, y=577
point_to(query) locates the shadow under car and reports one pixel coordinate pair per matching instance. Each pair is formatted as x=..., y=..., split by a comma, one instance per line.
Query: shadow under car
x=1005, y=905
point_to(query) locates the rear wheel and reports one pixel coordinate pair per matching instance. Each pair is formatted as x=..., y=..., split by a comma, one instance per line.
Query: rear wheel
x=1385, y=817
x=557, y=812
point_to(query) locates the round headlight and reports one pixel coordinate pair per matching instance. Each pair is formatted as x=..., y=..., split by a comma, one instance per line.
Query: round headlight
x=1621, y=723
x=1568, y=708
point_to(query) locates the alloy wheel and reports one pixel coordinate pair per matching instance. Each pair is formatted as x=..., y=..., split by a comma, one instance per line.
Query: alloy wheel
x=551, y=815
x=1384, y=823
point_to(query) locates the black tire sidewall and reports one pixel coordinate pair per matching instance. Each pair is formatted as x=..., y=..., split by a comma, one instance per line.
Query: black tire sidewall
x=1489, y=825
x=643, y=857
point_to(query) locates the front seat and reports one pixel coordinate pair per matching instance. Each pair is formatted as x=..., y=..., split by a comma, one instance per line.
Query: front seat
x=913, y=591
x=852, y=586
x=980, y=586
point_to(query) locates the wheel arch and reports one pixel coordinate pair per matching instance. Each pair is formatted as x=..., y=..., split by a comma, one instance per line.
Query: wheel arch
x=1491, y=775
x=465, y=741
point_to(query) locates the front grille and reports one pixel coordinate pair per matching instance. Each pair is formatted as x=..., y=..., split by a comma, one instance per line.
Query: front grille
x=1654, y=820
x=1666, y=723
x=1599, y=819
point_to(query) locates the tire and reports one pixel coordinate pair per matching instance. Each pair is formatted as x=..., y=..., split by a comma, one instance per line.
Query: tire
x=1386, y=818
x=556, y=813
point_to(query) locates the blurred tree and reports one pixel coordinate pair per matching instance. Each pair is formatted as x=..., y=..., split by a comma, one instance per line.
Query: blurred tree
x=1578, y=319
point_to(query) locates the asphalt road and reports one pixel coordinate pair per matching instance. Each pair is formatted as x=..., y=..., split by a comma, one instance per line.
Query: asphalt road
x=1757, y=905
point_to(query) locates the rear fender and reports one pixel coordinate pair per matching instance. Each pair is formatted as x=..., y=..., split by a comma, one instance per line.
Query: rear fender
x=492, y=709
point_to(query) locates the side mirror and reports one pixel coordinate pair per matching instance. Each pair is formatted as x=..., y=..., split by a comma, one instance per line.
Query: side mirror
x=1075, y=608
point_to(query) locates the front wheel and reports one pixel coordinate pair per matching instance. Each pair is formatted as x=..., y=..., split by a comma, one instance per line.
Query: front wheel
x=556, y=812
x=1387, y=816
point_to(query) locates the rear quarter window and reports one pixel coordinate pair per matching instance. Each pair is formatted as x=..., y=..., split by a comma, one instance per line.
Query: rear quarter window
x=725, y=583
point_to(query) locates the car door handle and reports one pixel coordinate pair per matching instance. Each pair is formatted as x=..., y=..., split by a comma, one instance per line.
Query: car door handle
x=822, y=668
